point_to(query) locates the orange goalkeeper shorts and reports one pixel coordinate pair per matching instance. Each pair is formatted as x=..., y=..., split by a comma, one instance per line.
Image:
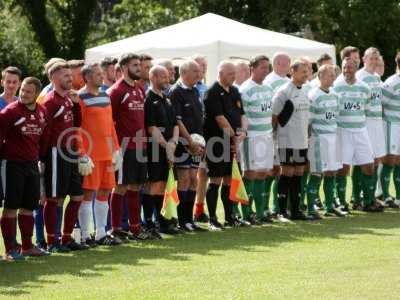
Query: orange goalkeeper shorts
x=102, y=177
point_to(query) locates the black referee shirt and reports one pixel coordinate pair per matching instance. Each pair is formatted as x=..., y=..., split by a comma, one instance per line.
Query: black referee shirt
x=219, y=102
x=159, y=112
x=188, y=109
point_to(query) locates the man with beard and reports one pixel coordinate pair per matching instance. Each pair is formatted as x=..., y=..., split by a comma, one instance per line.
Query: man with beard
x=61, y=176
x=127, y=99
x=145, y=65
x=108, y=67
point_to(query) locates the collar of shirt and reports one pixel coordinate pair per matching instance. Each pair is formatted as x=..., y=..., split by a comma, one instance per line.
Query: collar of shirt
x=182, y=85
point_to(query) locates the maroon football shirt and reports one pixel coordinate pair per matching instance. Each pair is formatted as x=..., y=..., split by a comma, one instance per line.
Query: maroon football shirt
x=63, y=116
x=128, y=113
x=24, y=132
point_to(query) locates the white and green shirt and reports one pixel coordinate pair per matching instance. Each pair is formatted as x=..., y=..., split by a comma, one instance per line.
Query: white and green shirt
x=275, y=81
x=391, y=99
x=324, y=109
x=257, y=105
x=294, y=134
x=353, y=101
x=374, y=108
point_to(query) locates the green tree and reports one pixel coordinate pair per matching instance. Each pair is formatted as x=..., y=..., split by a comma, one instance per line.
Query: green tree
x=60, y=27
x=130, y=17
x=360, y=23
x=17, y=44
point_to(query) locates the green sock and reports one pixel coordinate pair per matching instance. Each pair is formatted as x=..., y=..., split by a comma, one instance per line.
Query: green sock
x=396, y=180
x=356, y=179
x=303, y=191
x=235, y=209
x=268, y=186
x=313, y=191
x=275, y=203
x=259, y=197
x=385, y=180
x=341, y=184
x=329, y=191
x=249, y=186
x=368, y=188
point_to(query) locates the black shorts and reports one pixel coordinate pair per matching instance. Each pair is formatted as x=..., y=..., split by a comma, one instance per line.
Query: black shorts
x=157, y=166
x=134, y=168
x=292, y=157
x=61, y=176
x=21, y=184
x=184, y=160
x=219, y=160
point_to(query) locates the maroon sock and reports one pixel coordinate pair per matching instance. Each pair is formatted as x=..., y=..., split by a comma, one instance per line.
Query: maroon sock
x=116, y=208
x=9, y=231
x=133, y=210
x=25, y=224
x=70, y=218
x=50, y=220
x=199, y=209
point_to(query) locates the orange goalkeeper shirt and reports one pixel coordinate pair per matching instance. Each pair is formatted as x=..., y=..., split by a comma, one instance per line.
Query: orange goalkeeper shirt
x=99, y=139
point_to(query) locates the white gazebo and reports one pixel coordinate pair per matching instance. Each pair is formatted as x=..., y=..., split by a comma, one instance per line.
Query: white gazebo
x=214, y=36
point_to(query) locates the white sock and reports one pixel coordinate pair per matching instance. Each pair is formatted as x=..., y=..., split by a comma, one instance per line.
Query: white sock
x=100, y=214
x=85, y=216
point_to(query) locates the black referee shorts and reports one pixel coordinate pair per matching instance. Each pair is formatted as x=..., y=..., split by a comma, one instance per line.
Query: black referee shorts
x=184, y=160
x=21, y=184
x=219, y=163
x=134, y=168
x=157, y=165
x=292, y=157
x=61, y=176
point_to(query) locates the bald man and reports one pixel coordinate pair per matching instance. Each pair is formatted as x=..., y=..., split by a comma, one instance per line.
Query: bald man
x=189, y=113
x=159, y=113
x=225, y=127
x=276, y=79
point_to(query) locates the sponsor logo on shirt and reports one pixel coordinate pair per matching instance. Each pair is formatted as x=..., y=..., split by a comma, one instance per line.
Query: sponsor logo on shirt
x=330, y=115
x=266, y=107
x=352, y=106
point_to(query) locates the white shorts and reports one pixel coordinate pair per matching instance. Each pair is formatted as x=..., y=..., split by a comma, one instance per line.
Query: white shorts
x=356, y=147
x=257, y=153
x=377, y=137
x=392, y=136
x=324, y=153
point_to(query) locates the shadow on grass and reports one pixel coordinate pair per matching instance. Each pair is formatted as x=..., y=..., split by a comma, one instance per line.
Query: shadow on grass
x=17, y=278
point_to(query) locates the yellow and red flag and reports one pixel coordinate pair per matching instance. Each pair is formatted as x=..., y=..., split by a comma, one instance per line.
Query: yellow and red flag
x=171, y=199
x=237, y=192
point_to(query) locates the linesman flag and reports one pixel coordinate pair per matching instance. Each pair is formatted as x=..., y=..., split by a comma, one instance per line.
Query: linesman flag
x=171, y=199
x=237, y=192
